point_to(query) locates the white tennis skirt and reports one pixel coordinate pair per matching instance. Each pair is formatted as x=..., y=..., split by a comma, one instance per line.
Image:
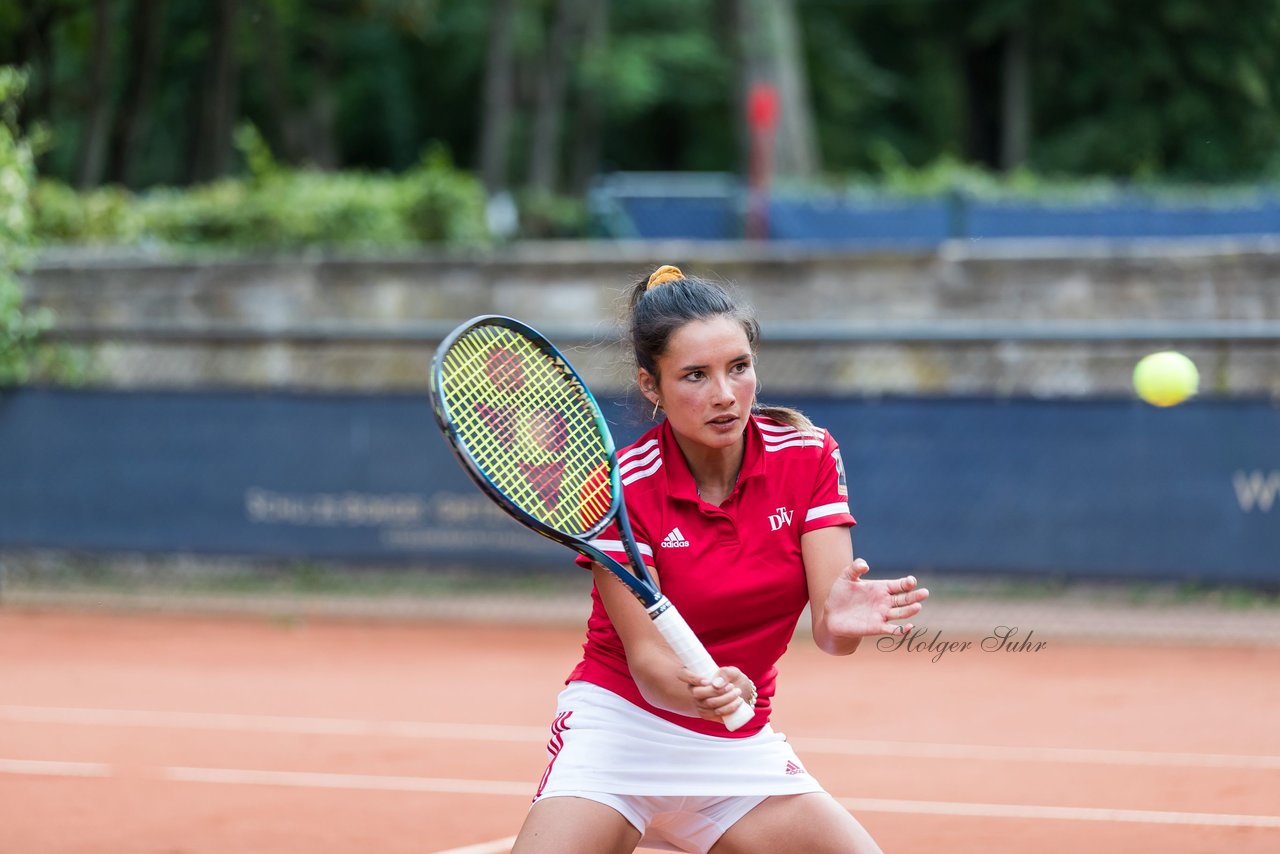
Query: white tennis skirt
x=603, y=743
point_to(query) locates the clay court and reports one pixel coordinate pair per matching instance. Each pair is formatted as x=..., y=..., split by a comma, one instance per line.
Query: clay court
x=155, y=732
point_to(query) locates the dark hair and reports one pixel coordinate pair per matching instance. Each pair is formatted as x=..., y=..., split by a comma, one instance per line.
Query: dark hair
x=658, y=311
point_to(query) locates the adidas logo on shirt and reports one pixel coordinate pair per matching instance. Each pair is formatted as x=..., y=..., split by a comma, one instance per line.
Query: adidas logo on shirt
x=793, y=768
x=675, y=540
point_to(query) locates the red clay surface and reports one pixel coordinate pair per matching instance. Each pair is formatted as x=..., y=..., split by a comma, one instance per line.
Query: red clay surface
x=206, y=734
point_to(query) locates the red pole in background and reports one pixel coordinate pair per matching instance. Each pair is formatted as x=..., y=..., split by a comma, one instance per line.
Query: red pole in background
x=762, y=120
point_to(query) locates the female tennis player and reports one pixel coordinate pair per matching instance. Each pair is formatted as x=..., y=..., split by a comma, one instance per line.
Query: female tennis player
x=742, y=513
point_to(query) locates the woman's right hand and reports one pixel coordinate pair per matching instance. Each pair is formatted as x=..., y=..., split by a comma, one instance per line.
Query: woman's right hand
x=718, y=696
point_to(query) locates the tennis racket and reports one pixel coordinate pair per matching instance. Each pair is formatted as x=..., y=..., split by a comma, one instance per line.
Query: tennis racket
x=530, y=434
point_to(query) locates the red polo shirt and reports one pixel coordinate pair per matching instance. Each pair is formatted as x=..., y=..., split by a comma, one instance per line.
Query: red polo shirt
x=735, y=572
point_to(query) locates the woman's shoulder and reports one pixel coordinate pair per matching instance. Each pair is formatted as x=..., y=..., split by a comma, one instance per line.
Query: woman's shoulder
x=806, y=457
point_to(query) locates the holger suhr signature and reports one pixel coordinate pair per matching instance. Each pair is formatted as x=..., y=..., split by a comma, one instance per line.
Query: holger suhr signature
x=1001, y=639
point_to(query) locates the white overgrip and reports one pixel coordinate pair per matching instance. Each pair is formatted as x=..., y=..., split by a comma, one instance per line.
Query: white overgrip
x=694, y=655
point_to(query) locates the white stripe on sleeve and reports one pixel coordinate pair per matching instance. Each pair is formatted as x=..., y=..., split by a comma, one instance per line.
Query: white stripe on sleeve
x=827, y=510
x=615, y=547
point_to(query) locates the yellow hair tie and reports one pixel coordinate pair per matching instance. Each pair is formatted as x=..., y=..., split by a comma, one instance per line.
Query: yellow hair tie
x=662, y=275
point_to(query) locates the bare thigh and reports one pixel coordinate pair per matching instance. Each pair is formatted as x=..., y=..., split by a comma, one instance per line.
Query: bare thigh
x=805, y=824
x=575, y=826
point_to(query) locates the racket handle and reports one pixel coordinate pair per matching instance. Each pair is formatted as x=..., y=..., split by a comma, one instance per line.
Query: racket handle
x=694, y=655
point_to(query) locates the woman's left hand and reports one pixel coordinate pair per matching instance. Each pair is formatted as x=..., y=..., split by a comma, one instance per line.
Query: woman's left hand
x=858, y=607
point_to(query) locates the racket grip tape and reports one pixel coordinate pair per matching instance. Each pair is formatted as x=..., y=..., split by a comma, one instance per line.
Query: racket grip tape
x=694, y=656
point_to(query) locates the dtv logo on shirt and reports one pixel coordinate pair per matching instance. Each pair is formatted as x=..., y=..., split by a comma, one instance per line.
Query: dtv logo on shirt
x=782, y=517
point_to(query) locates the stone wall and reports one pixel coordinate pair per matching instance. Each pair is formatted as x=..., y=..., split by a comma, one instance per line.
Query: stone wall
x=319, y=321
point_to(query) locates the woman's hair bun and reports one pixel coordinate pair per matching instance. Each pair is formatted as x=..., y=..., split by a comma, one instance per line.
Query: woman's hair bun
x=662, y=275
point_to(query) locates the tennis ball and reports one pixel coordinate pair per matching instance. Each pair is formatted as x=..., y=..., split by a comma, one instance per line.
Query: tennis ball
x=1166, y=378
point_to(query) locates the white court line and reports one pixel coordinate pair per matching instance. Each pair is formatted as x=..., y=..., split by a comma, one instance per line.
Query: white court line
x=369, y=782
x=497, y=846
x=536, y=735
x=997, y=753
x=857, y=805
x=44, y=768
x=271, y=723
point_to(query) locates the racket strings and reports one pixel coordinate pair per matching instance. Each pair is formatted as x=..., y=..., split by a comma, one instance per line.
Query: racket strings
x=530, y=426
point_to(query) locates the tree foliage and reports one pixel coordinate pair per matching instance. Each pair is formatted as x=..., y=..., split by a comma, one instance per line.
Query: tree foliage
x=19, y=331
x=1181, y=89
x=24, y=352
x=276, y=206
x=1173, y=89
